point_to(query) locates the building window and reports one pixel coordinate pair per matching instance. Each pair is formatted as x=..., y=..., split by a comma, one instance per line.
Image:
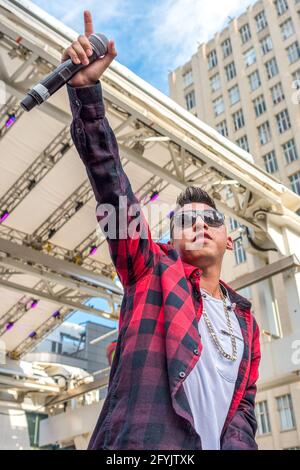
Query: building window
x=245, y=33
x=243, y=143
x=250, y=57
x=264, y=133
x=287, y=29
x=222, y=128
x=296, y=79
x=271, y=68
x=283, y=121
x=293, y=52
x=234, y=94
x=277, y=93
x=270, y=162
x=238, y=119
x=218, y=105
x=295, y=182
x=215, y=82
x=266, y=45
x=233, y=224
x=230, y=71
x=281, y=6
x=239, y=252
x=286, y=412
x=290, y=151
x=188, y=79
x=254, y=80
x=212, y=59
x=226, y=48
x=262, y=417
x=190, y=100
x=259, y=105
x=261, y=21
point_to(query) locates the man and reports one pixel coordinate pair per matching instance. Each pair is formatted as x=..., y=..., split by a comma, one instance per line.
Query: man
x=185, y=367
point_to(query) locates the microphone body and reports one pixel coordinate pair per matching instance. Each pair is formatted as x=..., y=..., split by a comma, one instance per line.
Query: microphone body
x=62, y=74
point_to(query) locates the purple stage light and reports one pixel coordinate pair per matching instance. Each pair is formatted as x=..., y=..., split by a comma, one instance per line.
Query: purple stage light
x=154, y=196
x=4, y=216
x=93, y=250
x=56, y=314
x=9, y=325
x=34, y=303
x=10, y=120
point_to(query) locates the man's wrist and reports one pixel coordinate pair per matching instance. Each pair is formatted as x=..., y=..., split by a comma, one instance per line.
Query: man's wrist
x=84, y=85
x=86, y=101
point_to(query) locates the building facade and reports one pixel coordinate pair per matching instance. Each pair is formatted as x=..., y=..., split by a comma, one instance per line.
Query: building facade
x=245, y=83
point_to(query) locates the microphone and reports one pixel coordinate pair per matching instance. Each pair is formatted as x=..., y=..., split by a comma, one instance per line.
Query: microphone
x=62, y=74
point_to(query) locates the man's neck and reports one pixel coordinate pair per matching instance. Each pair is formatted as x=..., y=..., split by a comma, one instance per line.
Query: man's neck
x=210, y=278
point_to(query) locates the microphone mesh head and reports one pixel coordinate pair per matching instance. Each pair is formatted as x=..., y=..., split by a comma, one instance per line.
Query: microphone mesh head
x=99, y=42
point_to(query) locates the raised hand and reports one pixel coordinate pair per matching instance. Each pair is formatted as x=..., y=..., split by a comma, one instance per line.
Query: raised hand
x=80, y=50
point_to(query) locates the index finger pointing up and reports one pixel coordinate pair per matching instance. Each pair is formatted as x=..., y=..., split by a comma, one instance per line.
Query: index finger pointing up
x=88, y=23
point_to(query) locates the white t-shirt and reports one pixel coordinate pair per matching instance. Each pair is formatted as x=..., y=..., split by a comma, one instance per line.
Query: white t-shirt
x=210, y=385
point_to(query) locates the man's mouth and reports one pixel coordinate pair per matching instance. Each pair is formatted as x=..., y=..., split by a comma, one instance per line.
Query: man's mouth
x=207, y=236
x=198, y=237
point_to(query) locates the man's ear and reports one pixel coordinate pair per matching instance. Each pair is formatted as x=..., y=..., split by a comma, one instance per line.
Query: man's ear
x=229, y=244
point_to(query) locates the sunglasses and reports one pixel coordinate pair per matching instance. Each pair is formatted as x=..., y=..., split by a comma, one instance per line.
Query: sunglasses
x=186, y=219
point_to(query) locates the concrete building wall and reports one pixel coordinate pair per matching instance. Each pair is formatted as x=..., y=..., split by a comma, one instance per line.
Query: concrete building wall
x=13, y=429
x=279, y=324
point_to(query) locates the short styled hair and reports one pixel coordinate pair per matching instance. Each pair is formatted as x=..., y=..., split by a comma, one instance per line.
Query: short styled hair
x=189, y=195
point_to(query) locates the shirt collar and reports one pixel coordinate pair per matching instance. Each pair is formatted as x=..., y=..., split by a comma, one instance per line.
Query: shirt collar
x=193, y=271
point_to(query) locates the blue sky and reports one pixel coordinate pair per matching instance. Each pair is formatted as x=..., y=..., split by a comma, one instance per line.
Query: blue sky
x=151, y=36
x=80, y=317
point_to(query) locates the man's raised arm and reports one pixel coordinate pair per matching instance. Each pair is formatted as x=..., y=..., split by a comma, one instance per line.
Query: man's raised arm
x=118, y=210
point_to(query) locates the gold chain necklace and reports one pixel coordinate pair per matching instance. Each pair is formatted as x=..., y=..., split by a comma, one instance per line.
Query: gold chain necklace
x=213, y=335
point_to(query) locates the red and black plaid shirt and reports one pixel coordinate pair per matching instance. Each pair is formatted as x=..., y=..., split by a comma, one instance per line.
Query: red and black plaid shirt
x=159, y=342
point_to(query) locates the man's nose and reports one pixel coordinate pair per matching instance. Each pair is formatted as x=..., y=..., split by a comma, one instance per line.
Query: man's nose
x=199, y=224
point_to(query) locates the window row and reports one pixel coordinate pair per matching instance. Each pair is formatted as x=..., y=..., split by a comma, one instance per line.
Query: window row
x=266, y=45
x=283, y=123
x=264, y=130
x=288, y=149
x=259, y=104
x=234, y=95
x=254, y=81
x=285, y=411
x=271, y=68
x=286, y=27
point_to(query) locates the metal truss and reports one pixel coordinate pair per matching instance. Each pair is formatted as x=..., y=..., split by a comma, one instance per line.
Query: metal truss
x=10, y=108
x=41, y=166
x=61, y=282
x=148, y=121
x=209, y=153
x=63, y=213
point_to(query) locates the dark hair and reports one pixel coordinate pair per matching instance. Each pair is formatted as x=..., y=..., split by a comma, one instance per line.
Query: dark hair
x=189, y=195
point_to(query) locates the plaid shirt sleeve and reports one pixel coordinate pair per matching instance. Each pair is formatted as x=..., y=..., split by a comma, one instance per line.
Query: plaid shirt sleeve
x=240, y=433
x=117, y=207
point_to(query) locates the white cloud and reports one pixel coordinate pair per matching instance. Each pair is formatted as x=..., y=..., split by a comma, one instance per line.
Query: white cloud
x=178, y=25
x=151, y=36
